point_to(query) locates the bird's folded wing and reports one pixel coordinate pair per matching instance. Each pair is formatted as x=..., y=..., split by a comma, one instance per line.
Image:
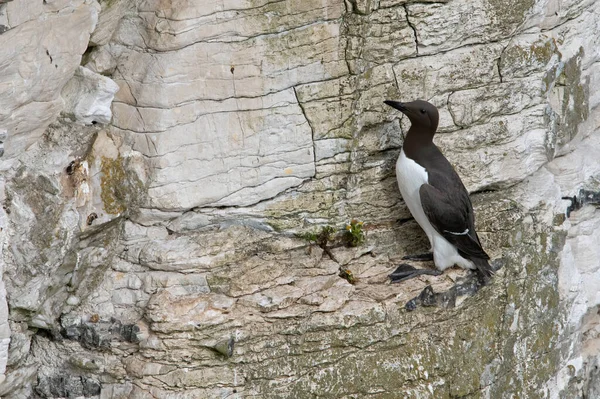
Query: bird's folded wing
x=452, y=218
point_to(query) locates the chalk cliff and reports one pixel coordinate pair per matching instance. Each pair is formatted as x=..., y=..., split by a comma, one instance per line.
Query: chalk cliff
x=169, y=167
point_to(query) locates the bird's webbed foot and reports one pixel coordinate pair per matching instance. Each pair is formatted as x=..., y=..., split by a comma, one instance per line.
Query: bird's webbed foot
x=427, y=256
x=406, y=272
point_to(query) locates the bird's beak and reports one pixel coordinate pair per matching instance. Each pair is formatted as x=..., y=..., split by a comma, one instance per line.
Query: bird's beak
x=396, y=104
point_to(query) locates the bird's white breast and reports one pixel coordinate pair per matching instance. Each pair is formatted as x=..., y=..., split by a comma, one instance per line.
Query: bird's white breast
x=411, y=176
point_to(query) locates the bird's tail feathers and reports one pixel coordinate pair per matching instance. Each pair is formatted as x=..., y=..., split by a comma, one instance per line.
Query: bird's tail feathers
x=484, y=268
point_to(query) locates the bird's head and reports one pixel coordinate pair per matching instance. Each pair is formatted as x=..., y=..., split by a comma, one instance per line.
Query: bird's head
x=421, y=113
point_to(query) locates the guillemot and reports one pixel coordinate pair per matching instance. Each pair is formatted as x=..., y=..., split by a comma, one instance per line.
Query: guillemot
x=436, y=197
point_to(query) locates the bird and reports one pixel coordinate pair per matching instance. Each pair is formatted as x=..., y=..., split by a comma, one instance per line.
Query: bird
x=436, y=198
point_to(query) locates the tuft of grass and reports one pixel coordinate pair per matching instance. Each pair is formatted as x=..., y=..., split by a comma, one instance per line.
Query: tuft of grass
x=354, y=234
x=326, y=235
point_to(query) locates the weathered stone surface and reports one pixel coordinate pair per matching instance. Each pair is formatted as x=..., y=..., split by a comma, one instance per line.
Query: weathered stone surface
x=42, y=49
x=503, y=160
x=464, y=68
x=269, y=142
x=383, y=36
x=109, y=18
x=526, y=55
x=67, y=386
x=282, y=156
x=445, y=26
x=88, y=97
x=475, y=106
x=179, y=251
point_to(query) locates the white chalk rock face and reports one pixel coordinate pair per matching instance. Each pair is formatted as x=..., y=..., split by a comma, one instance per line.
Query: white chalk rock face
x=109, y=18
x=263, y=146
x=88, y=97
x=4, y=330
x=223, y=127
x=41, y=44
x=41, y=51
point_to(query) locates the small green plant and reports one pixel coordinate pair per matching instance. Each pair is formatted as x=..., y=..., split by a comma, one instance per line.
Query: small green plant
x=326, y=235
x=329, y=237
x=347, y=275
x=310, y=237
x=354, y=234
x=321, y=238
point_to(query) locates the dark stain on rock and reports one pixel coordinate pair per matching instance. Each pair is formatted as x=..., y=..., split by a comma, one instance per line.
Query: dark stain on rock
x=71, y=167
x=99, y=334
x=67, y=386
x=91, y=217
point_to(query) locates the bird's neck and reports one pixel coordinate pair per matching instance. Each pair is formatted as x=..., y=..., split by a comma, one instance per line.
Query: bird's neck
x=415, y=140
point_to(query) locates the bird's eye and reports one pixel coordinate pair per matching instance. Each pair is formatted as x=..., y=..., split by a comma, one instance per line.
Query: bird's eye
x=423, y=111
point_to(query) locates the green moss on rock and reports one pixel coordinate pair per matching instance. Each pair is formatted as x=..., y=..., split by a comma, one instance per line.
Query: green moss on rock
x=120, y=189
x=510, y=13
